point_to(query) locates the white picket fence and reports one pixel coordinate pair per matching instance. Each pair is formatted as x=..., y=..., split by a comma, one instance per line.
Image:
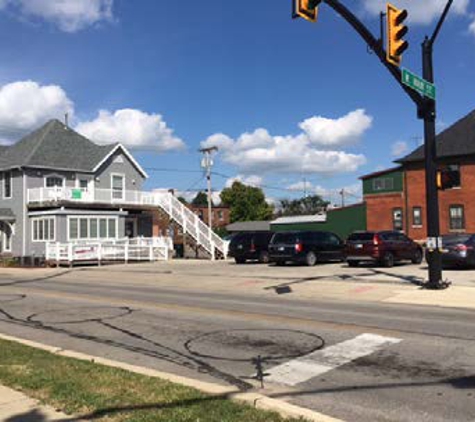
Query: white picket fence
x=125, y=250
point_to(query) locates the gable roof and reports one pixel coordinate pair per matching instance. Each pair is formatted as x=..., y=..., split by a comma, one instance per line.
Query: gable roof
x=380, y=173
x=457, y=140
x=56, y=146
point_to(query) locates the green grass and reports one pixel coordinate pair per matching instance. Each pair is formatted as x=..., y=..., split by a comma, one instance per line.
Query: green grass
x=101, y=393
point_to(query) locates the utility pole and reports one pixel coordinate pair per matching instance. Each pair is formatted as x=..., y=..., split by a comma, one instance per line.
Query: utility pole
x=342, y=193
x=207, y=163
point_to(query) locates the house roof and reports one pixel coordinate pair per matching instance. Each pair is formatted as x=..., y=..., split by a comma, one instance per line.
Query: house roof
x=249, y=226
x=457, y=140
x=379, y=173
x=56, y=146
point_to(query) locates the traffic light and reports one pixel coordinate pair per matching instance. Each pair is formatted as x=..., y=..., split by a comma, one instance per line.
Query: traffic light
x=448, y=178
x=396, y=31
x=307, y=9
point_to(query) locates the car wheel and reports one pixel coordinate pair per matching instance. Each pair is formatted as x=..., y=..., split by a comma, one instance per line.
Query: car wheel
x=239, y=260
x=353, y=263
x=310, y=259
x=264, y=257
x=388, y=260
x=417, y=258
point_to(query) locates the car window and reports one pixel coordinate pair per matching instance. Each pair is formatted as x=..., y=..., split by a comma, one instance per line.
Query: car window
x=362, y=236
x=333, y=239
x=283, y=237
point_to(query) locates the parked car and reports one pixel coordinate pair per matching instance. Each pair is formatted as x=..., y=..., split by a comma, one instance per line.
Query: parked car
x=458, y=250
x=308, y=247
x=250, y=246
x=382, y=247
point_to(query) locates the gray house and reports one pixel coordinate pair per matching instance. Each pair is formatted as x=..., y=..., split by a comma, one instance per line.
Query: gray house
x=58, y=186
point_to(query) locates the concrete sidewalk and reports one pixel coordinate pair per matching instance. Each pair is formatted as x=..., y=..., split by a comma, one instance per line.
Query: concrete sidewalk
x=17, y=407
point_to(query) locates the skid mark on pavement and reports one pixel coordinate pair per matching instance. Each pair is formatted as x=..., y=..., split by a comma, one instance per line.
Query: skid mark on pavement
x=317, y=363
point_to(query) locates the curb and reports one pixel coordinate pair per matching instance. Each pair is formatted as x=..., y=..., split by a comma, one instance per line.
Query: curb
x=256, y=400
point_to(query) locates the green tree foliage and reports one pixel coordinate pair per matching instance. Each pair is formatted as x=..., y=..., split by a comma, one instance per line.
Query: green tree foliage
x=201, y=200
x=309, y=205
x=246, y=203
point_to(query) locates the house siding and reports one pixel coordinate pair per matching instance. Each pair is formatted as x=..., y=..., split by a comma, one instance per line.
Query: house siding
x=133, y=178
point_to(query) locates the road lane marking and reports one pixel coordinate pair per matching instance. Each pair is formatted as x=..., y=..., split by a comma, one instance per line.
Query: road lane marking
x=317, y=363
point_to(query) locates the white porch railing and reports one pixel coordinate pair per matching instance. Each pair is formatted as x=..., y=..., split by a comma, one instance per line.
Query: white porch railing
x=189, y=221
x=138, y=249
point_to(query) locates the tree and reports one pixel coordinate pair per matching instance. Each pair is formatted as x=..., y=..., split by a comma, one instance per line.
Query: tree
x=309, y=205
x=182, y=200
x=201, y=200
x=246, y=203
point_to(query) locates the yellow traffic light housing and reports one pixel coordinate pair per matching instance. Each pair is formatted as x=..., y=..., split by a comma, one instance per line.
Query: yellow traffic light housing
x=307, y=9
x=396, y=31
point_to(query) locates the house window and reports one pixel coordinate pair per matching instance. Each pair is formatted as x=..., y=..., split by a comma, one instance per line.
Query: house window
x=417, y=216
x=83, y=184
x=397, y=218
x=86, y=228
x=54, y=182
x=117, y=186
x=456, y=217
x=43, y=229
x=7, y=184
x=220, y=215
x=383, y=183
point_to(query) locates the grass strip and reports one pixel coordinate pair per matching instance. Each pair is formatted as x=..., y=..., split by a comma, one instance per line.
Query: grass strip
x=100, y=393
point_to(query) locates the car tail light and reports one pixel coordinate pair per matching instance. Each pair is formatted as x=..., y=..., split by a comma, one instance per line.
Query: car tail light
x=253, y=247
x=376, y=240
x=298, y=247
x=462, y=248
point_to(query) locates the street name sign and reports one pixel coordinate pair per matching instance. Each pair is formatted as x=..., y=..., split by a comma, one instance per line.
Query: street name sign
x=421, y=85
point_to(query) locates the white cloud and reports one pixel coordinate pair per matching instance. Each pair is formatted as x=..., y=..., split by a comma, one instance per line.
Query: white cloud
x=422, y=12
x=345, y=130
x=68, y=15
x=399, y=148
x=259, y=152
x=471, y=28
x=251, y=180
x=25, y=105
x=133, y=128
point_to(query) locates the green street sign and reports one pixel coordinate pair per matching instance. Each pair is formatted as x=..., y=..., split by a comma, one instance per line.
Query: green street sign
x=421, y=85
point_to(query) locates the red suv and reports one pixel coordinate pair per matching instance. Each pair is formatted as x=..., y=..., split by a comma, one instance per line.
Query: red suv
x=384, y=247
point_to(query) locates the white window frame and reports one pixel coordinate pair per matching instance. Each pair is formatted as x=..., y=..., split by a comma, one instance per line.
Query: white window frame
x=5, y=237
x=11, y=184
x=33, y=229
x=59, y=176
x=122, y=175
x=89, y=218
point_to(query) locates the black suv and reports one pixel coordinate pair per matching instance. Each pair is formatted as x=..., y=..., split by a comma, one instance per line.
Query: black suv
x=250, y=245
x=308, y=247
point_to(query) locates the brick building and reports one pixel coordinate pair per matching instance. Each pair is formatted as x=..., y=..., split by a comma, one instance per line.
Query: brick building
x=219, y=214
x=395, y=198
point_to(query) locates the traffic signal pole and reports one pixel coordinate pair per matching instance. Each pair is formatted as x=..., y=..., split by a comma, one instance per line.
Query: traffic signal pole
x=426, y=108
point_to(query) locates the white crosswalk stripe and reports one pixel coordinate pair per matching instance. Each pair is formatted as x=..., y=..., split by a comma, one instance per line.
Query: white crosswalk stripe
x=317, y=363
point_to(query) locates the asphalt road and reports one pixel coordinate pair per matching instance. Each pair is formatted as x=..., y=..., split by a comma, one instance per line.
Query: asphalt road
x=422, y=369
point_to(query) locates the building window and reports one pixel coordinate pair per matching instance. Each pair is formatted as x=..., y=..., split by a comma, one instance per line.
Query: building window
x=383, y=183
x=7, y=184
x=417, y=216
x=117, y=186
x=43, y=229
x=87, y=228
x=456, y=217
x=448, y=177
x=220, y=215
x=54, y=182
x=83, y=184
x=397, y=218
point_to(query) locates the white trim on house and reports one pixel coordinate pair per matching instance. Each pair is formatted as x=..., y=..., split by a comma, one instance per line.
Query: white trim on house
x=4, y=177
x=73, y=212
x=127, y=154
x=122, y=175
x=47, y=239
x=88, y=218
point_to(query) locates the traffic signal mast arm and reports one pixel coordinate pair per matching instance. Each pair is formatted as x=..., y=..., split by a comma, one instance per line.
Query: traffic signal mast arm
x=376, y=46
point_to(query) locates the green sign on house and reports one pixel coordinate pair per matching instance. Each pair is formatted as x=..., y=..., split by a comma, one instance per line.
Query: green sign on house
x=76, y=194
x=421, y=85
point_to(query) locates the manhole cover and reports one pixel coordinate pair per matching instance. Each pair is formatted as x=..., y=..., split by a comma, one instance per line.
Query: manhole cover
x=244, y=345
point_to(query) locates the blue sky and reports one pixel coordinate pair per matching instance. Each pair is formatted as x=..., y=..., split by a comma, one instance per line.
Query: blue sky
x=283, y=99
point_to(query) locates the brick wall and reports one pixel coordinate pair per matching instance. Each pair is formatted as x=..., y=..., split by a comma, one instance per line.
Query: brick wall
x=379, y=210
